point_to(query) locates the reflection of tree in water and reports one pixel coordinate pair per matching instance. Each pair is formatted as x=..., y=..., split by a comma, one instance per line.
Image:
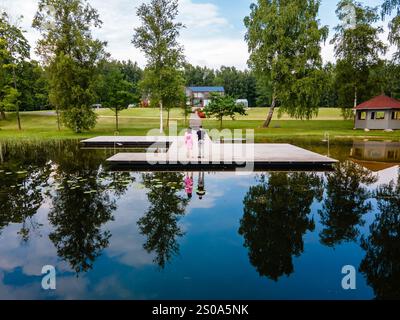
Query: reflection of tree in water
x=82, y=204
x=345, y=203
x=82, y=201
x=276, y=218
x=24, y=172
x=160, y=223
x=381, y=264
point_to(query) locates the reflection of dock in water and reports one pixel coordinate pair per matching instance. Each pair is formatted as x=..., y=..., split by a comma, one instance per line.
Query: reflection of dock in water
x=376, y=155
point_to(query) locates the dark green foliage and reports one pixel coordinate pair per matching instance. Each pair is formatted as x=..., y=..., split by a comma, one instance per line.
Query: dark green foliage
x=284, y=43
x=160, y=223
x=71, y=56
x=358, y=48
x=275, y=219
x=381, y=264
x=157, y=38
x=14, y=51
x=223, y=106
x=33, y=86
x=346, y=203
x=113, y=91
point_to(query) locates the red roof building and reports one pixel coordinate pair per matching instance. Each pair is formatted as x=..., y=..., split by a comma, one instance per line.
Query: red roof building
x=379, y=113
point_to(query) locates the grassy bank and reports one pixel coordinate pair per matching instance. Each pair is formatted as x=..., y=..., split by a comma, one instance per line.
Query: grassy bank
x=43, y=125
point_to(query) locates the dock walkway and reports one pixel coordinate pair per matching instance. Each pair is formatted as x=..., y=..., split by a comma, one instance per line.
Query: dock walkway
x=171, y=153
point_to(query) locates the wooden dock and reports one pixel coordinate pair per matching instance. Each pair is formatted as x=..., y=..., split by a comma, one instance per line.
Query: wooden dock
x=169, y=153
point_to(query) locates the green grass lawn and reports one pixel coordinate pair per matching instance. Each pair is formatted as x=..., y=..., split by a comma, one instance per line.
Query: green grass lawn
x=43, y=125
x=252, y=114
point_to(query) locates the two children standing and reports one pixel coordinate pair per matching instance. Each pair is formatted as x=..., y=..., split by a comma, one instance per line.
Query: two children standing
x=189, y=142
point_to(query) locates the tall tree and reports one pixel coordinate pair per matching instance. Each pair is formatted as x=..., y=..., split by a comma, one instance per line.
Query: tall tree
x=388, y=7
x=4, y=79
x=284, y=44
x=133, y=74
x=113, y=90
x=71, y=56
x=171, y=89
x=329, y=95
x=33, y=86
x=197, y=76
x=357, y=47
x=18, y=49
x=157, y=37
x=238, y=84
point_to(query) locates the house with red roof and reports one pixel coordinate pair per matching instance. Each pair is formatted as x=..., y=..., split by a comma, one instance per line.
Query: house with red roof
x=379, y=113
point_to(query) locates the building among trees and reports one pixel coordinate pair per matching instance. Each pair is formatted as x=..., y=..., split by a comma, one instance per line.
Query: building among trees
x=379, y=113
x=200, y=97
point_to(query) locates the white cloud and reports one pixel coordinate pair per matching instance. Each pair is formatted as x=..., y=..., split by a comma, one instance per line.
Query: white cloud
x=209, y=38
x=327, y=52
x=216, y=52
x=200, y=16
x=126, y=243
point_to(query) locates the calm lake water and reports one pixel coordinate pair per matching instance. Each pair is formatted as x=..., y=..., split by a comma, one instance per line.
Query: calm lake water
x=133, y=235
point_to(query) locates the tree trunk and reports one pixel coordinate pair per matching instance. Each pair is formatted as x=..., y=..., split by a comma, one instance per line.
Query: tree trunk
x=58, y=118
x=220, y=123
x=1, y=153
x=17, y=102
x=116, y=119
x=2, y=115
x=161, y=118
x=355, y=97
x=168, y=118
x=270, y=113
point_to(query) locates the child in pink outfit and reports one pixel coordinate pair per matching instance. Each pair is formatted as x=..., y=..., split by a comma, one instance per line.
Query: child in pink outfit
x=189, y=142
x=189, y=185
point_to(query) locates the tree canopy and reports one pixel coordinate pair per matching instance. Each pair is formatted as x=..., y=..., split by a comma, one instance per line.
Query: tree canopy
x=16, y=49
x=284, y=44
x=71, y=56
x=223, y=106
x=157, y=37
x=357, y=48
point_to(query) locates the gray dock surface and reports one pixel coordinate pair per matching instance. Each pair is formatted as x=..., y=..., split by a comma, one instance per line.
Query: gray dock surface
x=215, y=155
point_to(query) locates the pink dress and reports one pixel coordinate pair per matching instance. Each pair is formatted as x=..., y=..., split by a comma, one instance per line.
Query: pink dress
x=188, y=185
x=189, y=140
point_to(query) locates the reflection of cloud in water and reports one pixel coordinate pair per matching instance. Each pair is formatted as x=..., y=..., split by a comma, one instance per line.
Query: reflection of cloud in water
x=214, y=189
x=114, y=287
x=387, y=175
x=71, y=287
x=208, y=201
x=25, y=292
x=126, y=243
x=68, y=288
x=33, y=255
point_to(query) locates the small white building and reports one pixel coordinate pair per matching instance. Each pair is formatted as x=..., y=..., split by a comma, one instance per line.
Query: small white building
x=379, y=113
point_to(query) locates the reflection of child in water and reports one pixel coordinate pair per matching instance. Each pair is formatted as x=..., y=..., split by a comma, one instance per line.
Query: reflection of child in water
x=201, y=192
x=189, y=185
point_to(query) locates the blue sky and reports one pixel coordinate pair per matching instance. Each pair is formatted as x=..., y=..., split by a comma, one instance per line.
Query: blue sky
x=214, y=33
